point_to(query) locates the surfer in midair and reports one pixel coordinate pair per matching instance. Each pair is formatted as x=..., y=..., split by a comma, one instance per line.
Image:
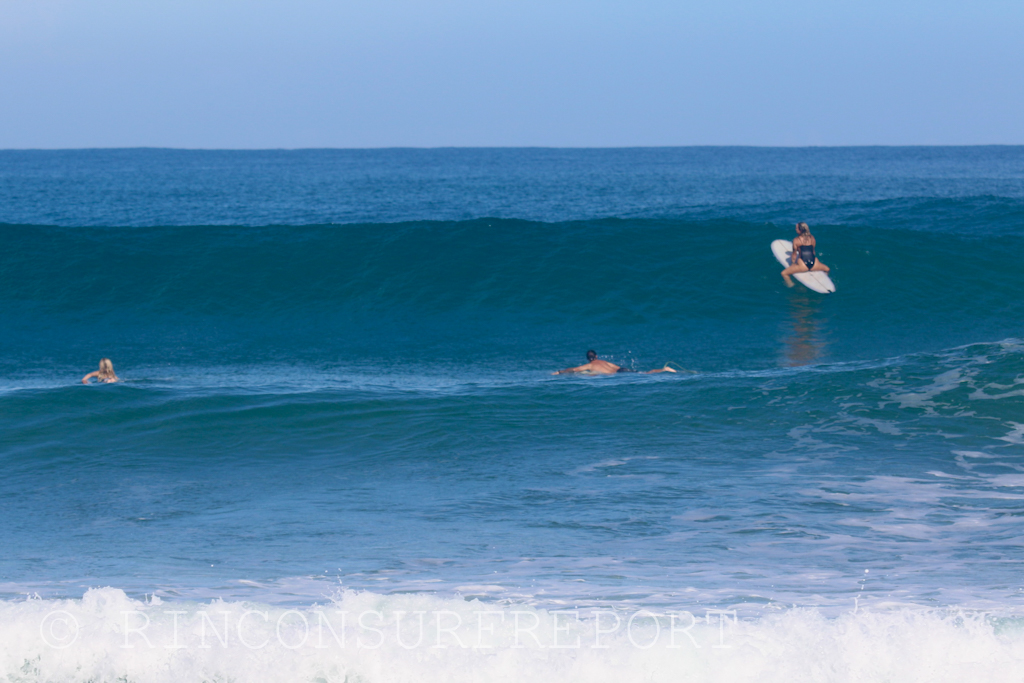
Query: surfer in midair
x=803, y=259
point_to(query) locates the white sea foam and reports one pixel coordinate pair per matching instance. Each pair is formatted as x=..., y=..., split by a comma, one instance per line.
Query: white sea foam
x=923, y=397
x=366, y=637
x=1015, y=435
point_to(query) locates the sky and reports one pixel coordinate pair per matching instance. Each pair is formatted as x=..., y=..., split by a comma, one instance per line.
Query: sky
x=496, y=73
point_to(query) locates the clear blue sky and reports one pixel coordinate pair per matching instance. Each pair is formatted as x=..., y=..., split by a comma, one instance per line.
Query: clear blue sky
x=575, y=73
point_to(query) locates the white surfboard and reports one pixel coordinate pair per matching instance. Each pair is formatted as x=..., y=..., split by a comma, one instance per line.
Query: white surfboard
x=817, y=281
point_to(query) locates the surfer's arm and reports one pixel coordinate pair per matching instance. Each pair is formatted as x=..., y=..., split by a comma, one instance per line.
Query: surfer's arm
x=85, y=380
x=794, y=255
x=579, y=368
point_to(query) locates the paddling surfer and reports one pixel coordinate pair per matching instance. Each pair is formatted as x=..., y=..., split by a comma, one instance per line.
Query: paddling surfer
x=596, y=366
x=803, y=259
x=105, y=375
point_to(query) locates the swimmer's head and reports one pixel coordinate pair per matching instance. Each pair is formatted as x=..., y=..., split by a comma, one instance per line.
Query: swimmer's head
x=591, y=355
x=106, y=368
x=802, y=228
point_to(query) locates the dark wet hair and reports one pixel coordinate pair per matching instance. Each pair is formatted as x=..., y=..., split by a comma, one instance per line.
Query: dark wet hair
x=591, y=354
x=802, y=228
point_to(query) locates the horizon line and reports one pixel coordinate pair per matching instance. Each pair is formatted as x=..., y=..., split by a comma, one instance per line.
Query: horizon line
x=488, y=147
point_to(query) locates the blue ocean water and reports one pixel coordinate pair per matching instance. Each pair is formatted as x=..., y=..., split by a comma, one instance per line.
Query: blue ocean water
x=337, y=391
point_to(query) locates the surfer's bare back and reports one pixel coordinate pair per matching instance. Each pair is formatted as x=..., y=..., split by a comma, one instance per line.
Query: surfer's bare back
x=803, y=259
x=596, y=366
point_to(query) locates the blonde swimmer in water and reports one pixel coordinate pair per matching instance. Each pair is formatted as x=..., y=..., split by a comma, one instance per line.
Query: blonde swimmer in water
x=105, y=375
x=596, y=366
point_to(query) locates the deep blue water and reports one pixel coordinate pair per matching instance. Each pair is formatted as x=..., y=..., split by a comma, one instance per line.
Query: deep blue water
x=336, y=375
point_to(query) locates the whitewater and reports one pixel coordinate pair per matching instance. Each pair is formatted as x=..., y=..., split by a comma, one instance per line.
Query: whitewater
x=337, y=452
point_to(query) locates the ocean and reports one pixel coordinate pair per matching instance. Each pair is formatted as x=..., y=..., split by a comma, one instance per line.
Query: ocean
x=338, y=453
